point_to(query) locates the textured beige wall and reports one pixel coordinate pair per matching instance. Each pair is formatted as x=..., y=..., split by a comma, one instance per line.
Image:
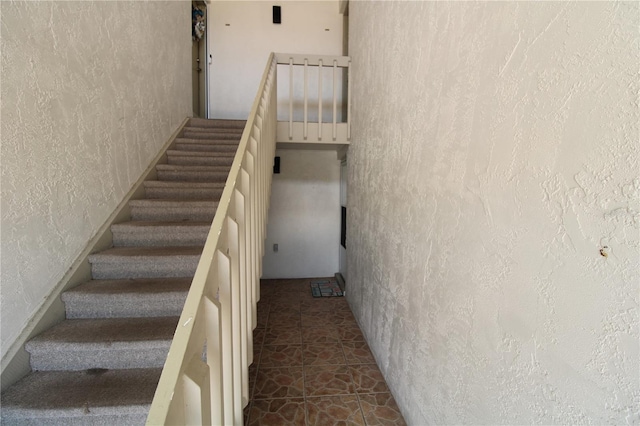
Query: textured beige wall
x=495, y=151
x=90, y=92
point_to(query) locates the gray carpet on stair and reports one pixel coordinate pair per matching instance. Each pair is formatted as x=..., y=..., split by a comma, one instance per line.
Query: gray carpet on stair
x=111, y=397
x=173, y=210
x=159, y=233
x=183, y=190
x=145, y=262
x=128, y=298
x=103, y=343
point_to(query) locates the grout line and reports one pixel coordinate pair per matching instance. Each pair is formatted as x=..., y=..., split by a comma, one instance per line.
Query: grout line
x=355, y=389
x=304, y=375
x=255, y=380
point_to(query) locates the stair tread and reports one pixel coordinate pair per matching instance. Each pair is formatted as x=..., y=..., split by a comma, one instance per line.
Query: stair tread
x=128, y=287
x=183, y=153
x=46, y=394
x=127, y=298
x=106, y=332
x=133, y=252
x=230, y=130
x=209, y=141
x=214, y=130
x=202, y=147
x=144, y=224
x=182, y=184
x=172, y=202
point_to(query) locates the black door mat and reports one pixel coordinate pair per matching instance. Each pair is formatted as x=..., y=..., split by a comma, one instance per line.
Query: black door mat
x=325, y=288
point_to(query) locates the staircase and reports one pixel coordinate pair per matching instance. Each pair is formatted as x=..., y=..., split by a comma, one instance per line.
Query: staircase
x=102, y=364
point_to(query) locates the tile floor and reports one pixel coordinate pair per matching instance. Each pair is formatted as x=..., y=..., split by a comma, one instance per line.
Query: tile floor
x=312, y=365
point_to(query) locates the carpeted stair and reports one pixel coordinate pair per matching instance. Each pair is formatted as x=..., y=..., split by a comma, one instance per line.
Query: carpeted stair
x=102, y=364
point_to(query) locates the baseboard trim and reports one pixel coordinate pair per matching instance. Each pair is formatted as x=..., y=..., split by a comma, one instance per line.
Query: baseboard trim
x=15, y=363
x=341, y=282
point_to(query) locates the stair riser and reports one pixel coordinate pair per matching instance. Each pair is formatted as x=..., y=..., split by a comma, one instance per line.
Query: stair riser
x=209, y=141
x=199, y=214
x=131, y=306
x=180, y=193
x=149, y=237
x=46, y=359
x=183, y=160
x=195, y=176
x=211, y=135
x=204, y=123
x=183, y=146
x=146, y=267
x=75, y=418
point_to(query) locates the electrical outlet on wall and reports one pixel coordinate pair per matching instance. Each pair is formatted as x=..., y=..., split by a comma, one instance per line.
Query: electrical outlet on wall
x=275, y=248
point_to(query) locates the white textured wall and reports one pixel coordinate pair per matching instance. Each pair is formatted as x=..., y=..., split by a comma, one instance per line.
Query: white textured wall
x=242, y=35
x=304, y=216
x=90, y=92
x=495, y=151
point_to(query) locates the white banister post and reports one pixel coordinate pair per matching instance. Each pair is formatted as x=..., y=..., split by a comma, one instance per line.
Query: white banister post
x=213, y=328
x=305, y=120
x=290, y=98
x=233, y=253
x=224, y=283
x=335, y=99
x=349, y=100
x=320, y=99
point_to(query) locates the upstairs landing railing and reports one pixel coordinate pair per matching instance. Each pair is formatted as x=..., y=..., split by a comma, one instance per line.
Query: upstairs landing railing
x=318, y=106
x=205, y=379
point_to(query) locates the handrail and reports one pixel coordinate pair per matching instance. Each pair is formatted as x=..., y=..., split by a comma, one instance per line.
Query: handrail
x=205, y=377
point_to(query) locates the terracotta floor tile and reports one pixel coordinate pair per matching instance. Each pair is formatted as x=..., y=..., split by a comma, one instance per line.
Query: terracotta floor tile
x=281, y=356
x=357, y=353
x=320, y=334
x=258, y=339
x=344, y=323
x=253, y=372
x=283, y=319
x=258, y=336
x=345, y=315
x=283, y=336
x=334, y=410
x=283, y=304
x=279, y=382
x=245, y=413
x=368, y=378
x=277, y=412
x=329, y=353
x=319, y=304
x=350, y=334
x=263, y=319
x=317, y=319
x=327, y=380
x=380, y=409
x=312, y=363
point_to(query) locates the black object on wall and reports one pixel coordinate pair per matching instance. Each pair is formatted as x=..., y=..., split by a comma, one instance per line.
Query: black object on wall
x=277, y=15
x=276, y=165
x=343, y=227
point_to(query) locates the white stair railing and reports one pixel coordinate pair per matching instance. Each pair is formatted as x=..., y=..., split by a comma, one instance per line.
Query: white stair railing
x=205, y=379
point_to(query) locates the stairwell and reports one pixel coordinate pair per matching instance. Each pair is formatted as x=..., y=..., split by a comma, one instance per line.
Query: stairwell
x=102, y=364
